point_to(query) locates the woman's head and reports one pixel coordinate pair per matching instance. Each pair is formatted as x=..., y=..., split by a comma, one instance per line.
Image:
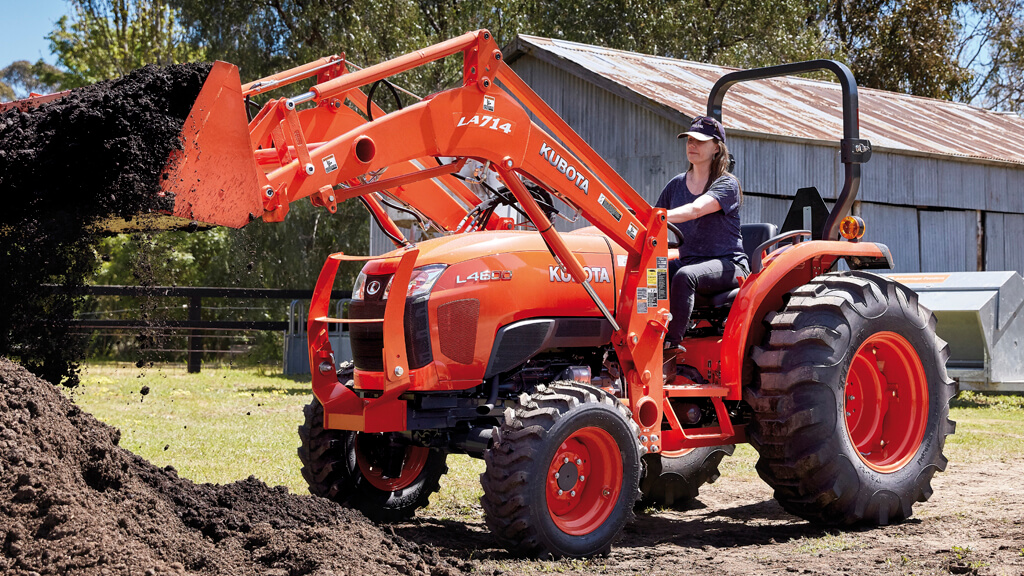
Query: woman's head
x=705, y=145
x=705, y=142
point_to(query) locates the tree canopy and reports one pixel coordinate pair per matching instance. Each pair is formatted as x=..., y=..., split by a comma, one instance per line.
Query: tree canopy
x=19, y=79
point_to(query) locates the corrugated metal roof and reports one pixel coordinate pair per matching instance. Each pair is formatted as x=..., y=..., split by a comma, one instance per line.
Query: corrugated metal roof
x=797, y=107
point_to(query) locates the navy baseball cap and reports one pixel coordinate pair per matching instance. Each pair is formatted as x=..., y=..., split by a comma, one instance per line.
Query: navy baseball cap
x=705, y=128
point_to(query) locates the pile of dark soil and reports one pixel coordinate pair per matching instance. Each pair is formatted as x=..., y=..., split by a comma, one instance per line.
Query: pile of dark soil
x=96, y=153
x=73, y=502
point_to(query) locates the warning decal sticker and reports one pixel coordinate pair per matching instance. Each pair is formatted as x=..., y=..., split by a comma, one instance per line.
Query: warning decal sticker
x=607, y=204
x=330, y=164
x=662, y=277
x=641, y=300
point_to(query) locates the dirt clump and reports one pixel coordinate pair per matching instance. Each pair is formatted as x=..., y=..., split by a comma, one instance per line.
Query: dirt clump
x=73, y=502
x=98, y=152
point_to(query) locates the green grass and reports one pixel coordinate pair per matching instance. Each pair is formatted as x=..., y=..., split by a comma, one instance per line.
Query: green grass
x=989, y=427
x=838, y=542
x=226, y=424
x=217, y=426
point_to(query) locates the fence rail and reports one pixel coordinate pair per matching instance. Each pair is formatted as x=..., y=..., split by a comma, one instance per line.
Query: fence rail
x=194, y=324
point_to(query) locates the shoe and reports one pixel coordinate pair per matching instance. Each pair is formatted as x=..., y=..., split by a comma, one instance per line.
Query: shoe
x=672, y=350
x=669, y=362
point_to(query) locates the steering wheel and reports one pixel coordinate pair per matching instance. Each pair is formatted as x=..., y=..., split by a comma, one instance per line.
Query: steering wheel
x=675, y=232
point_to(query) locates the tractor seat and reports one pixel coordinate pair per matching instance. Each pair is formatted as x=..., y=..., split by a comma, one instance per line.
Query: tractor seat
x=753, y=236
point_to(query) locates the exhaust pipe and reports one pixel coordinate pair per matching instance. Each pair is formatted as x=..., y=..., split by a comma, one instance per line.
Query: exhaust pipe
x=492, y=398
x=474, y=442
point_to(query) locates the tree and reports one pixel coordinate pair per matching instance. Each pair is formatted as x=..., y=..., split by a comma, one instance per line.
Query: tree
x=992, y=45
x=740, y=33
x=20, y=78
x=965, y=50
x=901, y=45
x=108, y=38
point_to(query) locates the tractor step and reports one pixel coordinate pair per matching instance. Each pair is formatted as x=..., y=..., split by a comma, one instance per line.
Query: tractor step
x=694, y=390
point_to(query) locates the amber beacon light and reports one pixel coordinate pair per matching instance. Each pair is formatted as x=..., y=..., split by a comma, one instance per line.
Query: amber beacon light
x=852, y=228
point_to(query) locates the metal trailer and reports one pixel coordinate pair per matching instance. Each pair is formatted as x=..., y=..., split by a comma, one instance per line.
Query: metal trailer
x=981, y=316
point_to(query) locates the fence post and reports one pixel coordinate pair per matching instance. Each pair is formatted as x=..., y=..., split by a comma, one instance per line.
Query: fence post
x=195, y=346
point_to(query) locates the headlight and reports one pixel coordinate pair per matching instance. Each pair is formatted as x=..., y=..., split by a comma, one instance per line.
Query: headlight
x=421, y=281
x=357, y=288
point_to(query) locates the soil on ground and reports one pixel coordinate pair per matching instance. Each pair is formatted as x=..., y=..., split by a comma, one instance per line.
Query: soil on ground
x=98, y=152
x=73, y=502
x=973, y=524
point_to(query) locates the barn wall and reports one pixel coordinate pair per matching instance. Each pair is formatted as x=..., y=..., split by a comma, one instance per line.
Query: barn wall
x=925, y=209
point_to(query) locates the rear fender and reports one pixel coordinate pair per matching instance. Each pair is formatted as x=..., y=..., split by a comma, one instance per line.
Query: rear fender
x=763, y=292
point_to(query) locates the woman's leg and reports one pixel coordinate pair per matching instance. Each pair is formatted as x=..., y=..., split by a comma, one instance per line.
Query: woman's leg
x=709, y=277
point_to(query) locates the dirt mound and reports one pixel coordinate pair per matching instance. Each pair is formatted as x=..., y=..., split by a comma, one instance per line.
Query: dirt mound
x=73, y=502
x=97, y=152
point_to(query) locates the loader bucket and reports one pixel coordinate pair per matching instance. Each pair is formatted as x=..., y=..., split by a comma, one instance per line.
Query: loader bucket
x=213, y=179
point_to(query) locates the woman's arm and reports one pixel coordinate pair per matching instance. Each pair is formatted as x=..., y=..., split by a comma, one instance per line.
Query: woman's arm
x=702, y=206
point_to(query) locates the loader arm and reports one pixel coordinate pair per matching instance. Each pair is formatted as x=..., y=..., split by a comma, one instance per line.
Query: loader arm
x=483, y=121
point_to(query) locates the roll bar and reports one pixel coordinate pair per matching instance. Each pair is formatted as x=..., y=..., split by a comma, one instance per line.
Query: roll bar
x=854, y=151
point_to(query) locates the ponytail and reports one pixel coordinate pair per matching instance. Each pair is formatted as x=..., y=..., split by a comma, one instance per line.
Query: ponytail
x=720, y=167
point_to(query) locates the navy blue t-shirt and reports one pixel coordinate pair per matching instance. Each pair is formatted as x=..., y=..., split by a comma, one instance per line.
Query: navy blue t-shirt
x=714, y=236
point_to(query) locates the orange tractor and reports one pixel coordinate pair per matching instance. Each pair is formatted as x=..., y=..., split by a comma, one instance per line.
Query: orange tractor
x=541, y=351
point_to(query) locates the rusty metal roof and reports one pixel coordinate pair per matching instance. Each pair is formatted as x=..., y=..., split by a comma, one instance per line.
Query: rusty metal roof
x=790, y=106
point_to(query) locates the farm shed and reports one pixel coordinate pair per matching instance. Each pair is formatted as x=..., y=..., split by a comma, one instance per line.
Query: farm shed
x=944, y=187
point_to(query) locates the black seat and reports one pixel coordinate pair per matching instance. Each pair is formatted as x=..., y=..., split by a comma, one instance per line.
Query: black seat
x=753, y=236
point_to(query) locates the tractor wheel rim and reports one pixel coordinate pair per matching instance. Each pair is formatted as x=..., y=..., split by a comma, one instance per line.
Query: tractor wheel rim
x=414, y=462
x=584, y=481
x=886, y=402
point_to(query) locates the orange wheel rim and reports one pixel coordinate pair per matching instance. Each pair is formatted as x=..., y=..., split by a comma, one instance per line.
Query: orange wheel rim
x=584, y=480
x=886, y=402
x=414, y=461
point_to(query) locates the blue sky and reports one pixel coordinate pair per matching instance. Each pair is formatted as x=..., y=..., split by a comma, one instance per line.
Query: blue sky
x=24, y=25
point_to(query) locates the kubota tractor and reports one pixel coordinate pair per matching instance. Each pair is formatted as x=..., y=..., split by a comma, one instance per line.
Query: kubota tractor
x=540, y=351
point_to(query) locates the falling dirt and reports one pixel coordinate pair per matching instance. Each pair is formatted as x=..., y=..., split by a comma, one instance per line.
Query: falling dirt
x=73, y=502
x=96, y=153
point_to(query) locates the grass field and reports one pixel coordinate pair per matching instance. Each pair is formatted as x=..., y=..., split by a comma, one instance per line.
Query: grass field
x=226, y=424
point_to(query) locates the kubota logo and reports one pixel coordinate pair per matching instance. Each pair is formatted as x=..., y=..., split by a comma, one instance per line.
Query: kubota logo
x=594, y=274
x=570, y=171
x=373, y=287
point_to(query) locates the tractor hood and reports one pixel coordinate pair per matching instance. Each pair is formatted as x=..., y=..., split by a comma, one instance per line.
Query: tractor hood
x=458, y=248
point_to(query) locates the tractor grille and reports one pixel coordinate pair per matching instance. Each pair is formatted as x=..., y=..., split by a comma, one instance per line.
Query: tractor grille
x=456, y=328
x=368, y=339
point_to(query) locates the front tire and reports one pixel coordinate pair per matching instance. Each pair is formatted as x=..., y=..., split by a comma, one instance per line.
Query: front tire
x=851, y=402
x=562, y=476
x=385, y=480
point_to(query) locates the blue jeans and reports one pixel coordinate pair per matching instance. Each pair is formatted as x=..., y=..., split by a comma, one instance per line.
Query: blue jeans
x=706, y=278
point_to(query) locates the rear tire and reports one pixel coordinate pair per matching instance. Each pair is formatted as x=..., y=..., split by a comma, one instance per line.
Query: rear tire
x=346, y=467
x=586, y=437
x=851, y=402
x=675, y=481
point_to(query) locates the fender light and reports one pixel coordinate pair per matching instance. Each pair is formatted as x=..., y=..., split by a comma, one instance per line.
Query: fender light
x=852, y=228
x=421, y=281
